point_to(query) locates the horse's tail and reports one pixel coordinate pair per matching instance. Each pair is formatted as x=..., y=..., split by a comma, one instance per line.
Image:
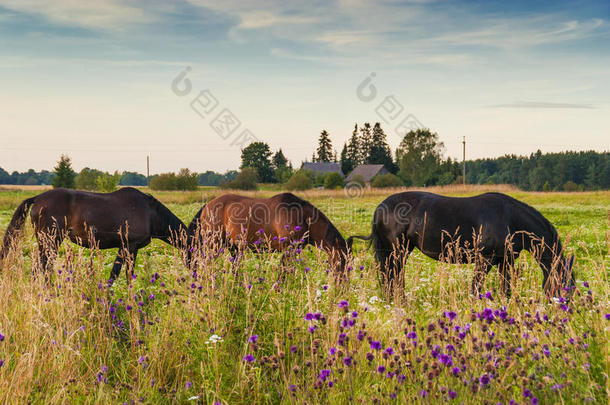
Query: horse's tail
x=350, y=240
x=14, y=227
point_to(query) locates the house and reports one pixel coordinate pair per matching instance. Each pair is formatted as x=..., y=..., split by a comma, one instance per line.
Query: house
x=367, y=172
x=323, y=167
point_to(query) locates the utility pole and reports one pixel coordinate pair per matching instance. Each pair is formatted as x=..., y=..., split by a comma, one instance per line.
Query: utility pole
x=464, y=161
x=147, y=170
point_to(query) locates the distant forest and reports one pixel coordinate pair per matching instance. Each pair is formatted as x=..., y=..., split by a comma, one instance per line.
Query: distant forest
x=569, y=171
x=45, y=177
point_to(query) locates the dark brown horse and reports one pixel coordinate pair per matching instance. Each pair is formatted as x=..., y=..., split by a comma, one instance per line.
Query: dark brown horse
x=277, y=221
x=489, y=230
x=126, y=219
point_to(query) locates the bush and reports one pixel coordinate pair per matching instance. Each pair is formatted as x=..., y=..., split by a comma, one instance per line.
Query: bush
x=299, y=181
x=87, y=178
x=570, y=186
x=386, y=180
x=246, y=179
x=107, y=183
x=333, y=180
x=186, y=180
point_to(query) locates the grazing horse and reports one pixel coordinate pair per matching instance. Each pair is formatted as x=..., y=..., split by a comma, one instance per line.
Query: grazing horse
x=277, y=221
x=490, y=229
x=126, y=219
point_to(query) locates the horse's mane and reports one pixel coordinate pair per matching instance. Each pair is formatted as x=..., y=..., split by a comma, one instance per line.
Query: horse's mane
x=536, y=217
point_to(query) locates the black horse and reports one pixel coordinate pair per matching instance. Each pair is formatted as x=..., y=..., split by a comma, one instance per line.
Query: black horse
x=126, y=219
x=490, y=229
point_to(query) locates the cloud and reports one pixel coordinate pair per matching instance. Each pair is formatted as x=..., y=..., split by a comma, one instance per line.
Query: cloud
x=542, y=104
x=98, y=14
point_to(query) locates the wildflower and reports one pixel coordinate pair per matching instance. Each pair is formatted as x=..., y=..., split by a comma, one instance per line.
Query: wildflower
x=343, y=304
x=347, y=361
x=253, y=339
x=534, y=401
x=484, y=379
x=375, y=345
x=488, y=295
x=312, y=328
x=412, y=335
x=330, y=384
x=423, y=393
x=297, y=228
x=309, y=316
x=381, y=369
x=455, y=371
x=1, y=362
x=151, y=297
x=332, y=351
x=324, y=374
x=248, y=358
x=389, y=351
x=1, y=337
x=451, y=315
x=292, y=388
x=293, y=349
x=452, y=394
x=141, y=359
x=325, y=287
x=354, y=314
x=188, y=385
x=608, y=317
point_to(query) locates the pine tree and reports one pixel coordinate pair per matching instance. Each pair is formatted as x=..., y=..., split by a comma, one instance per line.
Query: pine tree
x=64, y=174
x=325, y=148
x=366, y=141
x=380, y=152
x=279, y=160
x=347, y=165
x=353, y=148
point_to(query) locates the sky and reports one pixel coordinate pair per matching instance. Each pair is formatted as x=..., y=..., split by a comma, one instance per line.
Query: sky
x=189, y=83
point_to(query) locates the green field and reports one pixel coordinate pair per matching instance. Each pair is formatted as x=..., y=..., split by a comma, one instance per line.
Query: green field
x=176, y=336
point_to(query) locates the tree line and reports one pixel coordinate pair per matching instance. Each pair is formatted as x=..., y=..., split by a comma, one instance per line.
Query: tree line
x=418, y=161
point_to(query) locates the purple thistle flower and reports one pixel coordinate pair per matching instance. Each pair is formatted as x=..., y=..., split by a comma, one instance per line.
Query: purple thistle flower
x=381, y=369
x=330, y=384
x=1, y=337
x=1, y=362
x=412, y=335
x=389, y=351
x=332, y=351
x=375, y=345
x=484, y=379
x=297, y=228
x=248, y=358
x=608, y=317
x=343, y=304
x=253, y=339
x=312, y=328
x=309, y=316
x=188, y=385
x=451, y=315
x=347, y=361
x=141, y=360
x=292, y=388
x=325, y=287
x=354, y=314
x=324, y=374
x=455, y=371
x=293, y=349
x=488, y=295
x=534, y=401
x=527, y=393
x=423, y=393
x=452, y=394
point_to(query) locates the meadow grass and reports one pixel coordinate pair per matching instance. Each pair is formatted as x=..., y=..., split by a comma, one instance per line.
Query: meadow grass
x=242, y=328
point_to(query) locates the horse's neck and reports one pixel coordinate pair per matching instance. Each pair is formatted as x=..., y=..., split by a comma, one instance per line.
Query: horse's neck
x=170, y=229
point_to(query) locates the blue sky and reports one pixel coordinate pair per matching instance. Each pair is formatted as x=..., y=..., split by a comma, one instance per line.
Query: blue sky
x=93, y=79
